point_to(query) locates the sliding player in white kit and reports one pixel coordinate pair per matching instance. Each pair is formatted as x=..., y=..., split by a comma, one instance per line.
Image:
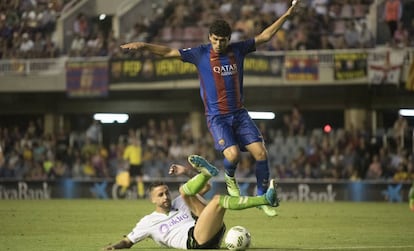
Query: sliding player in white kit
x=189, y=222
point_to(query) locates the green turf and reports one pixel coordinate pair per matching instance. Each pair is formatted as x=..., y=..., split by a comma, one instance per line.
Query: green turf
x=90, y=224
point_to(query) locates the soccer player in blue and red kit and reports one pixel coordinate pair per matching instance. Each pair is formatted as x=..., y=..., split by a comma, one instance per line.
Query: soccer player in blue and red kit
x=220, y=68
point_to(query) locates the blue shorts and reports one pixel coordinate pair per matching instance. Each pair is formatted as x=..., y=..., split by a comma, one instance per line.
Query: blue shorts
x=235, y=128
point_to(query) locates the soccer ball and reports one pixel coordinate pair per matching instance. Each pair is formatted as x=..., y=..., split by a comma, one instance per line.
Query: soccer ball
x=237, y=238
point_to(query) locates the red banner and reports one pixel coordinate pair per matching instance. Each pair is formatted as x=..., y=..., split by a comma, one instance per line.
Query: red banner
x=87, y=78
x=302, y=68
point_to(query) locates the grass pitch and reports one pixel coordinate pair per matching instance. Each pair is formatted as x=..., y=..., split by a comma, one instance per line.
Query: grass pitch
x=91, y=224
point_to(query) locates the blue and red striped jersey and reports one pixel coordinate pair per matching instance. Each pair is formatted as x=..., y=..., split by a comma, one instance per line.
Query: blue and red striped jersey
x=221, y=75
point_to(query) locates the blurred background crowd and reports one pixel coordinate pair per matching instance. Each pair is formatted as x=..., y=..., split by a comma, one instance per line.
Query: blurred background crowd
x=295, y=151
x=27, y=26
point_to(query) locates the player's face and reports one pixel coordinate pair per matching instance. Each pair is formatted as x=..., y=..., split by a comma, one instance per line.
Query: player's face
x=218, y=43
x=161, y=197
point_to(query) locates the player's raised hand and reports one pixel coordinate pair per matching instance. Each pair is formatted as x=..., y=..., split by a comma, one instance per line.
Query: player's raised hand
x=177, y=169
x=133, y=46
x=295, y=3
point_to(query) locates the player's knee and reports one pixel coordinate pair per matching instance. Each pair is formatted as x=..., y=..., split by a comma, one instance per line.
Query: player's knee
x=215, y=200
x=260, y=155
x=232, y=155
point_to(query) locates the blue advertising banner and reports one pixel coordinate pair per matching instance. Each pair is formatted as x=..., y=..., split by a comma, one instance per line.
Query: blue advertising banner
x=312, y=191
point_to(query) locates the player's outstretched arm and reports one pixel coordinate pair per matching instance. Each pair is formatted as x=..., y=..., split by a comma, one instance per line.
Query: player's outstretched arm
x=156, y=49
x=271, y=30
x=122, y=244
x=177, y=170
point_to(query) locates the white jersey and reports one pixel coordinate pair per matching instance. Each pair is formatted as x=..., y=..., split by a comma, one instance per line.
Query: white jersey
x=167, y=230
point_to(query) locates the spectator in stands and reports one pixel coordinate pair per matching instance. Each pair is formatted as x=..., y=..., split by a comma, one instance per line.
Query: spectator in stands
x=246, y=23
x=137, y=33
x=400, y=128
x=95, y=45
x=36, y=172
x=88, y=149
x=359, y=9
x=226, y=7
x=398, y=157
x=248, y=6
x=99, y=162
x=49, y=166
x=341, y=43
x=77, y=46
x=29, y=18
x=301, y=39
x=47, y=18
x=366, y=38
x=401, y=37
x=268, y=7
x=401, y=174
x=175, y=150
x=325, y=43
x=326, y=169
x=346, y=10
x=94, y=132
x=326, y=23
x=336, y=161
x=320, y=6
x=38, y=46
x=392, y=15
x=348, y=161
x=362, y=157
x=351, y=35
x=50, y=50
x=26, y=46
x=180, y=15
x=278, y=42
x=295, y=122
x=81, y=26
x=6, y=30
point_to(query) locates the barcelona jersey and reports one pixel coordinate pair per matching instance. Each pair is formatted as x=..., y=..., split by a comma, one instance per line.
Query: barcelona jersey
x=220, y=74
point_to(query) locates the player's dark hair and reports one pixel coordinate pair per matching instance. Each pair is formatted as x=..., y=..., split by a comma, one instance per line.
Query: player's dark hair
x=156, y=184
x=220, y=28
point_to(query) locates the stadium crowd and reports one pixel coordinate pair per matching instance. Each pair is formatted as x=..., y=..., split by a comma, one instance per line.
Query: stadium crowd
x=27, y=26
x=29, y=154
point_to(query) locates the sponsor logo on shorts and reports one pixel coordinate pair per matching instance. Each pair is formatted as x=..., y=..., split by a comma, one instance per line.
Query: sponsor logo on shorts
x=221, y=142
